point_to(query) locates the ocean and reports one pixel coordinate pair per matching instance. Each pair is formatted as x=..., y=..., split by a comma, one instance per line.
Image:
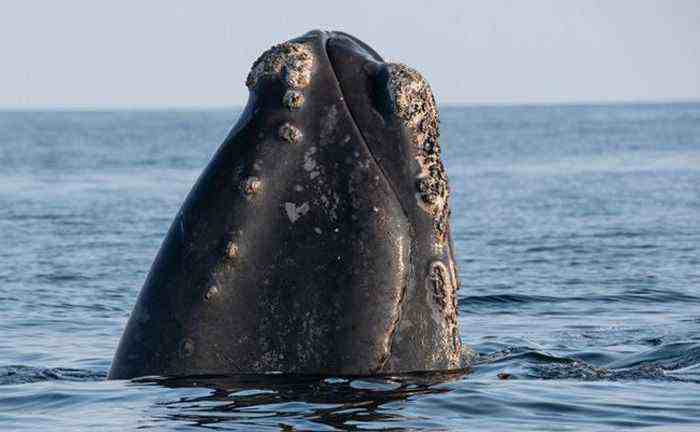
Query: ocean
x=577, y=230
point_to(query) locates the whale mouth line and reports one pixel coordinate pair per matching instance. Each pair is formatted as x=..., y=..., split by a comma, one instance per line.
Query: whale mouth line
x=328, y=38
x=400, y=307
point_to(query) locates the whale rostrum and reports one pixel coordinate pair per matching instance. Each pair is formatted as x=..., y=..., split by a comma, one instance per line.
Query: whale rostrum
x=317, y=239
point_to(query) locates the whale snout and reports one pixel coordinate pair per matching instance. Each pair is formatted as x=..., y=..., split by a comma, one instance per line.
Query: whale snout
x=317, y=238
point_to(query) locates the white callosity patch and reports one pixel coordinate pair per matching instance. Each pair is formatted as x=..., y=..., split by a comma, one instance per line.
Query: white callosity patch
x=232, y=250
x=328, y=126
x=412, y=97
x=414, y=105
x=325, y=197
x=442, y=300
x=212, y=292
x=252, y=185
x=294, y=212
x=310, y=164
x=289, y=133
x=293, y=99
x=289, y=61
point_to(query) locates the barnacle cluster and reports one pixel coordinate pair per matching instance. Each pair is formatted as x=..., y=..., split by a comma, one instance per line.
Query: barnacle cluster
x=414, y=104
x=290, y=61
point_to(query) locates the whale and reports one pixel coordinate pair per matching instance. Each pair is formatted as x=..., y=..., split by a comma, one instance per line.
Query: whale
x=317, y=239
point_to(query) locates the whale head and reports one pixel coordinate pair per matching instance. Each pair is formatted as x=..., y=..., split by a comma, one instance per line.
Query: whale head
x=317, y=239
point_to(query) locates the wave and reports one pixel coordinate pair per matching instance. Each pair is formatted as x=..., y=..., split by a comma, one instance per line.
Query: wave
x=18, y=374
x=676, y=362
x=610, y=163
x=635, y=296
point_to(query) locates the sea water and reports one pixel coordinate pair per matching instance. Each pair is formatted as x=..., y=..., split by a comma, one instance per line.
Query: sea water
x=577, y=231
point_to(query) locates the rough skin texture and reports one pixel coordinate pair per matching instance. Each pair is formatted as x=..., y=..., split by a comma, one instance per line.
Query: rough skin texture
x=291, y=61
x=415, y=105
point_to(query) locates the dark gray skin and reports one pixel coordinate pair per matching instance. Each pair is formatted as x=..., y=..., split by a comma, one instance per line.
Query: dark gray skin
x=317, y=239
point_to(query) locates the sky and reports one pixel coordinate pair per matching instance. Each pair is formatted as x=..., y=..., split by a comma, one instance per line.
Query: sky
x=181, y=54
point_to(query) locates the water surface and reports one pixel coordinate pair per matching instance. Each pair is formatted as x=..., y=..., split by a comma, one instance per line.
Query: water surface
x=577, y=231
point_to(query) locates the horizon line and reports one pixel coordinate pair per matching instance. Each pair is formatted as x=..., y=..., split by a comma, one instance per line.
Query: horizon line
x=465, y=104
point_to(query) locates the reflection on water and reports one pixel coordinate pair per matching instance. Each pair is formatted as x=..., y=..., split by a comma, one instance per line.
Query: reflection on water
x=299, y=402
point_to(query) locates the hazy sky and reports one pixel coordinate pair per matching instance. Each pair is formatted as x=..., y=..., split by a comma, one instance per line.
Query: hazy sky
x=138, y=53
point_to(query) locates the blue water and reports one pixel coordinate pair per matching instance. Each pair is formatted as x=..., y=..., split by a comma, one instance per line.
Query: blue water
x=577, y=231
